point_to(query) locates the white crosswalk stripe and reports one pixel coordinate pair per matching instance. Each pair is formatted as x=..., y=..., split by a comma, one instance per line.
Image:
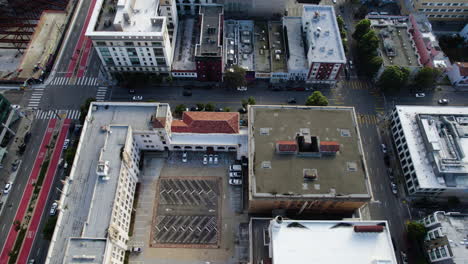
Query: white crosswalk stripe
x=35, y=98
x=101, y=94
x=49, y=114
x=82, y=81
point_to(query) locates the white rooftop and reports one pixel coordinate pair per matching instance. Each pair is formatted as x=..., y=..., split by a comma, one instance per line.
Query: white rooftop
x=323, y=35
x=419, y=154
x=329, y=242
x=297, y=58
x=455, y=227
x=131, y=18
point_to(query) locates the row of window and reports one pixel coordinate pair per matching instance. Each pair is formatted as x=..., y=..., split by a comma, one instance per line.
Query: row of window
x=439, y=16
x=442, y=10
x=153, y=69
x=433, y=234
x=438, y=253
x=444, y=4
x=128, y=43
x=184, y=74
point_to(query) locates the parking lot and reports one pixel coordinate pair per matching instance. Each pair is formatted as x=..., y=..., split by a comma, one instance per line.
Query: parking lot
x=187, y=213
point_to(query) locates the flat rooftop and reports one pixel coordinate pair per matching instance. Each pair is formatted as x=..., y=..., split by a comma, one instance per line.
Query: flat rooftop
x=438, y=144
x=239, y=43
x=396, y=46
x=330, y=242
x=323, y=35
x=187, y=37
x=85, y=250
x=277, y=47
x=262, y=47
x=295, y=46
x=89, y=198
x=128, y=17
x=210, y=37
x=455, y=228
x=341, y=175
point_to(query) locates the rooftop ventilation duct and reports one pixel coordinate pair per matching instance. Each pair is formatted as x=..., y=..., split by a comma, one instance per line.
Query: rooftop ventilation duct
x=368, y=229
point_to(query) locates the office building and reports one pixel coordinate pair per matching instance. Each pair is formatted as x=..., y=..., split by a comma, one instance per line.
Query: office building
x=441, y=10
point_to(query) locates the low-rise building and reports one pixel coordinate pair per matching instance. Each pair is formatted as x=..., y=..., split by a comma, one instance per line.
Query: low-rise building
x=458, y=74
x=235, y=8
x=431, y=144
x=324, y=48
x=209, y=51
x=306, y=159
x=297, y=64
x=183, y=64
x=396, y=45
x=281, y=241
x=134, y=35
x=239, y=46
x=446, y=240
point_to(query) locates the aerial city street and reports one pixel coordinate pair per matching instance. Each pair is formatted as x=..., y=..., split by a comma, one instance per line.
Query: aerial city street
x=234, y=131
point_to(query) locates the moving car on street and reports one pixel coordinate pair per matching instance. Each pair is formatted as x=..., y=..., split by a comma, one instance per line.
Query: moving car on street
x=383, y=148
x=420, y=95
x=443, y=101
x=53, y=209
x=235, y=181
x=205, y=159
x=7, y=188
x=184, y=156
x=137, y=98
x=292, y=100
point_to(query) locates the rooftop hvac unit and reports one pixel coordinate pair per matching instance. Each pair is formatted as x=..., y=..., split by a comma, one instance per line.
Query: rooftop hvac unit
x=330, y=51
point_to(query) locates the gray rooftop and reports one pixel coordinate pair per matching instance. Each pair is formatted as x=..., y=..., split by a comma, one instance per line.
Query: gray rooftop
x=239, y=43
x=342, y=174
x=187, y=37
x=262, y=47
x=210, y=42
x=396, y=46
x=295, y=49
x=85, y=250
x=86, y=194
x=277, y=50
x=323, y=35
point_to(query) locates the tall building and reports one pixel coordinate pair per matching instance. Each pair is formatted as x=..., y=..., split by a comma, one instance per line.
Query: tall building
x=306, y=160
x=284, y=241
x=323, y=45
x=235, y=8
x=441, y=10
x=209, y=51
x=446, y=239
x=134, y=35
x=432, y=143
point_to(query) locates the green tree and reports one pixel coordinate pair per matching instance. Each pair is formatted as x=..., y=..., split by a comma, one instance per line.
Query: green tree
x=340, y=22
x=362, y=27
x=84, y=109
x=227, y=109
x=235, y=77
x=317, y=99
x=426, y=78
x=393, y=78
x=416, y=231
x=180, y=109
x=374, y=65
x=209, y=107
x=200, y=106
x=368, y=44
x=251, y=100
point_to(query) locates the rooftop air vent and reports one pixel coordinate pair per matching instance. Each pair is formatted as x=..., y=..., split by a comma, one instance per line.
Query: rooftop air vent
x=266, y=164
x=102, y=169
x=310, y=174
x=345, y=133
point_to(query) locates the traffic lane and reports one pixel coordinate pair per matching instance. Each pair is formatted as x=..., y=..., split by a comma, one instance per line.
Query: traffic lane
x=66, y=97
x=37, y=132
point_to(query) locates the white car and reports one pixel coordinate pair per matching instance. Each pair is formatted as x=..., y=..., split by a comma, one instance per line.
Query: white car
x=443, y=101
x=210, y=159
x=215, y=159
x=242, y=88
x=419, y=95
x=394, y=188
x=235, y=181
x=184, y=156
x=137, y=98
x=334, y=1
x=66, y=143
x=235, y=174
x=7, y=188
x=137, y=249
x=383, y=148
x=205, y=159
x=53, y=209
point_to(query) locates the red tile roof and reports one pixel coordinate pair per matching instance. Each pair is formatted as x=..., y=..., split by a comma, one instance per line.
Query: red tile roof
x=329, y=146
x=463, y=66
x=287, y=145
x=207, y=122
x=159, y=122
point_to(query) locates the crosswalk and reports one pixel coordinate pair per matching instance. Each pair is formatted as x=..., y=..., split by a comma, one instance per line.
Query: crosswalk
x=101, y=94
x=357, y=85
x=35, y=98
x=65, y=113
x=367, y=119
x=82, y=81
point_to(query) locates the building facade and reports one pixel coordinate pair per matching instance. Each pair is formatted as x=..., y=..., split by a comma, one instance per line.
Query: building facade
x=458, y=74
x=431, y=144
x=134, y=36
x=446, y=239
x=234, y=8
x=442, y=10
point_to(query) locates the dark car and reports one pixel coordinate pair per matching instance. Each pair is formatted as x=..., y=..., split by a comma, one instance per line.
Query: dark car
x=292, y=100
x=242, y=110
x=193, y=108
x=443, y=101
x=187, y=92
x=27, y=137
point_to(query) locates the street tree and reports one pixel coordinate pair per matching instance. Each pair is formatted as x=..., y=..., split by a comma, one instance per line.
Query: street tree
x=416, y=231
x=248, y=101
x=393, y=78
x=235, y=77
x=317, y=99
x=368, y=44
x=374, y=65
x=426, y=78
x=362, y=27
x=209, y=107
x=200, y=107
x=180, y=109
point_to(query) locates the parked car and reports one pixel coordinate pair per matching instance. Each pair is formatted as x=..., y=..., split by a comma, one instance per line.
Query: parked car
x=53, y=209
x=131, y=91
x=350, y=63
x=443, y=101
x=292, y=100
x=219, y=109
x=235, y=174
x=419, y=95
x=334, y=1
x=15, y=165
x=137, y=249
x=404, y=258
x=235, y=181
x=215, y=159
x=66, y=143
x=383, y=148
x=242, y=88
x=184, y=156
x=242, y=110
x=235, y=168
x=394, y=188
x=7, y=188
x=210, y=159
x=187, y=92
x=205, y=159
x=137, y=98
x=193, y=108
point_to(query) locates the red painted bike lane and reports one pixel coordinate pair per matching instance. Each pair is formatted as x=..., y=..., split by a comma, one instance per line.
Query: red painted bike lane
x=28, y=191
x=41, y=201
x=79, y=45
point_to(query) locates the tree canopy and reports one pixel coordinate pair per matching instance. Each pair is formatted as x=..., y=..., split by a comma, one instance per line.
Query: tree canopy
x=368, y=44
x=425, y=78
x=180, y=109
x=393, y=78
x=235, y=77
x=362, y=27
x=416, y=231
x=317, y=99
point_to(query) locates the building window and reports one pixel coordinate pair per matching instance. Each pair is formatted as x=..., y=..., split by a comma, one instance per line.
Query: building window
x=158, y=52
x=135, y=61
x=161, y=61
x=128, y=43
x=104, y=51
x=100, y=43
